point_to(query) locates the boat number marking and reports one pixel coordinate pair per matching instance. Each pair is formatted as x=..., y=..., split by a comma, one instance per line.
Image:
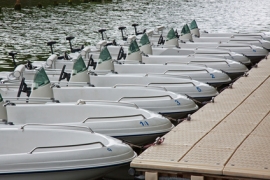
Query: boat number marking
x=254, y=50
x=177, y=102
x=144, y=123
x=109, y=149
x=212, y=75
x=199, y=89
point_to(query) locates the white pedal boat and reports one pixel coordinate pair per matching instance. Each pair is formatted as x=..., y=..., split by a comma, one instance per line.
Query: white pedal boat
x=254, y=49
x=156, y=99
x=196, y=31
x=124, y=121
x=261, y=37
x=175, y=83
x=32, y=152
x=188, y=42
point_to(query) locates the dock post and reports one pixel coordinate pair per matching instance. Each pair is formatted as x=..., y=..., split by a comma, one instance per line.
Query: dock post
x=18, y=5
x=151, y=176
x=197, y=178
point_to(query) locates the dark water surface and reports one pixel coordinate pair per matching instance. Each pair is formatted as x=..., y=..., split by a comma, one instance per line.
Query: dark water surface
x=27, y=31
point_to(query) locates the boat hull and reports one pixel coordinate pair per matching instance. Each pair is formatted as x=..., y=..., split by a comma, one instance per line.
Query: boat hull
x=234, y=76
x=203, y=99
x=178, y=115
x=143, y=139
x=78, y=174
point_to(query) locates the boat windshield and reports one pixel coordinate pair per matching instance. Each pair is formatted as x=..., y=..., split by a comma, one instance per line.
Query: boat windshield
x=193, y=25
x=133, y=47
x=144, y=40
x=104, y=55
x=185, y=30
x=171, y=35
x=41, y=78
x=79, y=66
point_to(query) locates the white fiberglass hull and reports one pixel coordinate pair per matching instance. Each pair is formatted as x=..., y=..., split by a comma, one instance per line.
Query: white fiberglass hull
x=199, y=73
x=114, y=119
x=188, y=52
x=171, y=82
x=205, y=51
x=46, y=153
x=250, y=51
x=263, y=35
x=177, y=84
x=71, y=174
x=155, y=99
x=223, y=56
x=261, y=43
x=196, y=59
x=232, y=68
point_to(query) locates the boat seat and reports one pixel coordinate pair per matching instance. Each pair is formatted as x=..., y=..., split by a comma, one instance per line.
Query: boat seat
x=91, y=62
x=134, y=25
x=113, y=43
x=29, y=65
x=60, y=57
x=51, y=43
x=73, y=50
x=122, y=28
x=102, y=30
x=69, y=38
x=12, y=54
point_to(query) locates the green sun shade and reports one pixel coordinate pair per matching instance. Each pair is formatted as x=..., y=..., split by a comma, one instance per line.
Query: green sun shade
x=171, y=35
x=79, y=66
x=193, y=25
x=185, y=30
x=104, y=55
x=144, y=40
x=41, y=78
x=133, y=47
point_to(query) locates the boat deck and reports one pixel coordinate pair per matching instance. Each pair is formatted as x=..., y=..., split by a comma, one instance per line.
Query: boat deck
x=227, y=139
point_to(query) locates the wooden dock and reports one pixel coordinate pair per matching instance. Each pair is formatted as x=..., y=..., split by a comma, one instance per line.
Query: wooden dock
x=227, y=139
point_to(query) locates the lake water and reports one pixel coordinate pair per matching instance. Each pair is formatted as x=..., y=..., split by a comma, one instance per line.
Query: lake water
x=28, y=31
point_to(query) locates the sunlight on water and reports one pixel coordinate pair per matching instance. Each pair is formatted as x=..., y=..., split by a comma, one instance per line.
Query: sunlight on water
x=28, y=31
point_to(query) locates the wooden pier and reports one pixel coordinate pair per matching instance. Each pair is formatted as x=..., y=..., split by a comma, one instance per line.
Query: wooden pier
x=227, y=139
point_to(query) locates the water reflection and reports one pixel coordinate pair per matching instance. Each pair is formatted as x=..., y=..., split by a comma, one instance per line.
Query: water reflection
x=27, y=31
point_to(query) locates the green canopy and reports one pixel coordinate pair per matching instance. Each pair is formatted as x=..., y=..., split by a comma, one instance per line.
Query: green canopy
x=185, y=30
x=133, y=47
x=79, y=66
x=144, y=40
x=193, y=25
x=171, y=35
x=1, y=99
x=104, y=55
x=41, y=78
